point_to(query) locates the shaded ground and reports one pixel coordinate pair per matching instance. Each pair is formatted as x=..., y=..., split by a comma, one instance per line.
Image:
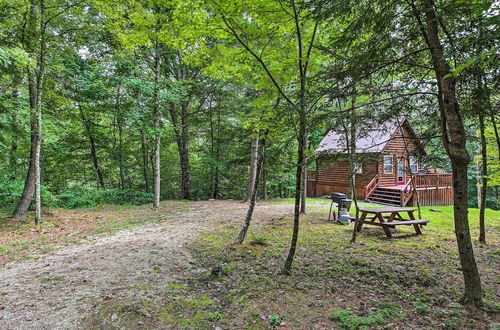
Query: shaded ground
x=179, y=268
x=58, y=290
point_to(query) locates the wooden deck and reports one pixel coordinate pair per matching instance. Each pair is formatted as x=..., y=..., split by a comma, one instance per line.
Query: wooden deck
x=432, y=190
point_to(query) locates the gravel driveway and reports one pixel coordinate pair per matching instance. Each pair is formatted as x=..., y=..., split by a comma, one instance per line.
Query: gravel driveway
x=57, y=291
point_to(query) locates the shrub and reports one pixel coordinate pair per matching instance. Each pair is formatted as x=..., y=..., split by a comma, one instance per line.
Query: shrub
x=90, y=197
x=74, y=197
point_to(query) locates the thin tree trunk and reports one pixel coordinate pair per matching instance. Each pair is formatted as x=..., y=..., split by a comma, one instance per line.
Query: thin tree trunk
x=145, y=161
x=93, y=149
x=253, y=167
x=298, y=184
x=351, y=139
x=14, y=141
x=212, y=149
x=120, y=156
x=454, y=139
x=264, y=175
x=302, y=134
x=119, y=124
x=304, y=181
x=217, y=155
x=484, y=180
x=29, y=187
x=157, y=123
x=38, y=132
x=184, y=153
x=255, y=188
x=29, y=182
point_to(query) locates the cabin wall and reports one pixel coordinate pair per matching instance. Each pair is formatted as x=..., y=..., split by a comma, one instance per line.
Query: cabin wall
x=333, y=176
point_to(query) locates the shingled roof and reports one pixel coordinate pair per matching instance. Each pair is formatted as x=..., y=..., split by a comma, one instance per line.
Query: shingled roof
x=371, y=137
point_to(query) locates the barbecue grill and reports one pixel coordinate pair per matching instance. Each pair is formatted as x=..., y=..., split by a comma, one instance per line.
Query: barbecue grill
x=343, y=205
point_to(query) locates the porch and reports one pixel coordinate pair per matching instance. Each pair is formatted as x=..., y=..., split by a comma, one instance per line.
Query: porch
x=431, y=189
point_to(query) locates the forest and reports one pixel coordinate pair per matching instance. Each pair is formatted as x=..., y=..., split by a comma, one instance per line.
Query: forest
x=162, y=106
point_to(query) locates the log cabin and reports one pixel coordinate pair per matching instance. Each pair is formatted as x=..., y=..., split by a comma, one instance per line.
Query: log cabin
x=388, y=168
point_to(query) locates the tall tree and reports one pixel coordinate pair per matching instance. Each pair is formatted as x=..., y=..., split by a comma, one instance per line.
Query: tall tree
x=454, y=140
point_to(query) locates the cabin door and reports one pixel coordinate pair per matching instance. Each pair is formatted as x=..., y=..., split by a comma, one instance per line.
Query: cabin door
x=401, y=171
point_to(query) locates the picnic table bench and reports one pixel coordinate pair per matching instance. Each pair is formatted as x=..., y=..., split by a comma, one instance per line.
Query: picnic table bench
x=390, y=214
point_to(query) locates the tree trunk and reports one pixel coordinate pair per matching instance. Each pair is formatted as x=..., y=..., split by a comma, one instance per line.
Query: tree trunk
x=304, y=181
x=184, y=153
x=253, y=167
x=93, y=149
x=157, y=123
x=38, y=131
x=454, y=139
x=302, y=135
x=119, y=124
x=264, y=175
x=298, y=184
x=35, y=81
x=255, y=188
x=212, y=149
x=29, y=182
x=215, y=194
x=351, y=142
x=145, y=162
x=181, y=137
x=120, y=157
x=14, y=142
x=484, y=180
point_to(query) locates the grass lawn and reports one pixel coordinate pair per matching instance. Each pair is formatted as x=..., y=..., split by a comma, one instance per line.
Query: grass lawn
x=405, y=282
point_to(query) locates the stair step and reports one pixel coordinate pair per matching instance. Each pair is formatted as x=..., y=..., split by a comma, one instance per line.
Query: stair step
x=388, y=201
x=388, y=191
x=382, y=203
x=385, y=196
x=376, y=193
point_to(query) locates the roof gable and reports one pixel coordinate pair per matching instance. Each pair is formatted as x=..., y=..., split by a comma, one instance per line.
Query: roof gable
x=372, y=137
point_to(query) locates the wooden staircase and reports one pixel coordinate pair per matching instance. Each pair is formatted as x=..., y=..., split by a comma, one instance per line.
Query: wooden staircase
x=385, y=196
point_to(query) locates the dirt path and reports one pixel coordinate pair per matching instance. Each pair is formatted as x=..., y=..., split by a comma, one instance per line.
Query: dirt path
x=58, y=290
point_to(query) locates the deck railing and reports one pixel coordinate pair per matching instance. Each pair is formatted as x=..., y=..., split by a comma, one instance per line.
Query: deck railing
x=370, y=187
x=406, y=193
x=433, y=180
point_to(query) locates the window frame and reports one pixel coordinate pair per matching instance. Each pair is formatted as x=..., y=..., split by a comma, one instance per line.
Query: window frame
x=415, y=159
x=385, y=164
x=358, y=168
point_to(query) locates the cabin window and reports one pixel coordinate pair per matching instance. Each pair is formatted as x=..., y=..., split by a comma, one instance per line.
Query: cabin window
x=358, y=168
x=413, y=164
x=388, y=165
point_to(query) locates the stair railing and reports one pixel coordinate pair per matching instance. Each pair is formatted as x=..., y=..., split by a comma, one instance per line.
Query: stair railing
x=407, y=192
x=370, y=187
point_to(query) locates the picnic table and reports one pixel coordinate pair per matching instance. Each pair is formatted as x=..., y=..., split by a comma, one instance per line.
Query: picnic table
x=384, y=217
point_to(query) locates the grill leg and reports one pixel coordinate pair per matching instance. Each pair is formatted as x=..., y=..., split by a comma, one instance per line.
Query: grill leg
x=329, y=213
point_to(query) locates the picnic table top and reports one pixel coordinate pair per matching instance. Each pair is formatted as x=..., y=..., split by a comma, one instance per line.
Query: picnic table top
x=388, y=210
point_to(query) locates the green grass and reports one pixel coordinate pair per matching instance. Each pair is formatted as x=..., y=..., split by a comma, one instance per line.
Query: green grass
x=405, y=282
x=334, y=282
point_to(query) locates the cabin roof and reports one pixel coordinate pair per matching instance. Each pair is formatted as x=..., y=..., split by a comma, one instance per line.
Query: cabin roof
x=371, y=138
